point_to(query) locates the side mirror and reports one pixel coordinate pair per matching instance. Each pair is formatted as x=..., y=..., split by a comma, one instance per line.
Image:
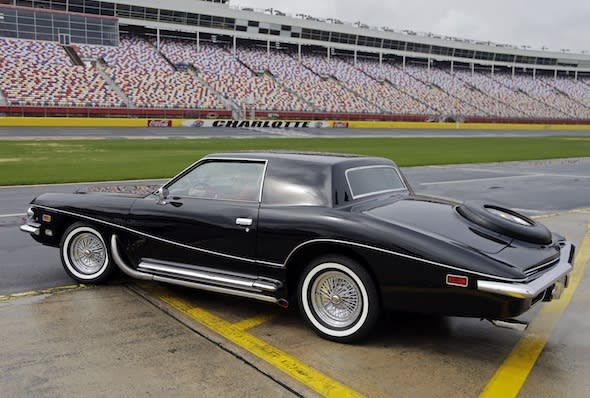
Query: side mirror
x=162, y=195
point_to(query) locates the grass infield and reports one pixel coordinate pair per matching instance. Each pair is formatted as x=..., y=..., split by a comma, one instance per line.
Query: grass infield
x=55, y=161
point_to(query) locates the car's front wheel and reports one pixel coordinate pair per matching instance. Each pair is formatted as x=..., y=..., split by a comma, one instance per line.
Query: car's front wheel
x=85, y=255
x=338, y=299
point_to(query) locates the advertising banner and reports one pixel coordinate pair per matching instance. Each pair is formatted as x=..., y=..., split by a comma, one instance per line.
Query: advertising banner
x=261, y=124
x=159, y=123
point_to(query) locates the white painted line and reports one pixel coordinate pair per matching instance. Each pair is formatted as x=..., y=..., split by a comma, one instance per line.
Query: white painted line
x=11, y=215
x=565, y=175
x=488, y=170
x=480, y=179
x=523, y=172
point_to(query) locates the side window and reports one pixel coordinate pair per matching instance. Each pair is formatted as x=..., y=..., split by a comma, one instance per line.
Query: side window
x=223, y=180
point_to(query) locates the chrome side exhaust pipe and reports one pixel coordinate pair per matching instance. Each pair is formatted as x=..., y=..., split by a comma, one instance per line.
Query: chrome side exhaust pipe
x=195, y=285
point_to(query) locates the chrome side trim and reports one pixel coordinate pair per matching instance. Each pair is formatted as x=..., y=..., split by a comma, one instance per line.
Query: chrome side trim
x=141, y=275
x=201, y=275
x=535, y=287
x=31, y=228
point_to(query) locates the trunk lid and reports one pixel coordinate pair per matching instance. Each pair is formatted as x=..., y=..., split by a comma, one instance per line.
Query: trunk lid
x=436, y=217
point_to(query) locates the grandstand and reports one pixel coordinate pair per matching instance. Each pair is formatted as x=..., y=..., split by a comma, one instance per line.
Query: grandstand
x=59, y=57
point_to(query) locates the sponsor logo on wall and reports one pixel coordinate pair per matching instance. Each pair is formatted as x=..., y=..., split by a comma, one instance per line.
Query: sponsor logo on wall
x=263, y=124
x=160, y=123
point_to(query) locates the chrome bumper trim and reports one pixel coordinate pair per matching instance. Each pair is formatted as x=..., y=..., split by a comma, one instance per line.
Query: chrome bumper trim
x=31, y=228
x=535, y=287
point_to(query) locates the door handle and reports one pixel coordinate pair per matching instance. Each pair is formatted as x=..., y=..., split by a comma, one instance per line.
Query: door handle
x=244, y=221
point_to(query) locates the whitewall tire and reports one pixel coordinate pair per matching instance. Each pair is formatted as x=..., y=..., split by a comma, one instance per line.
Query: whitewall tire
x=85, y=255
x=338, y=299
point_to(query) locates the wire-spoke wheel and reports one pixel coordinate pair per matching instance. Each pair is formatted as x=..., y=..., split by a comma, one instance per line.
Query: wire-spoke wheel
x=338, y=299
x=84, y=254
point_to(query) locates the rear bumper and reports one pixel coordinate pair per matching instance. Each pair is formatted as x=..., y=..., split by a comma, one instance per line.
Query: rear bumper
x=556, y=275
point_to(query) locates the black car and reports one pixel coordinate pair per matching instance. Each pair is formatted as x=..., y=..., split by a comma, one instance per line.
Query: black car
x=345, y=236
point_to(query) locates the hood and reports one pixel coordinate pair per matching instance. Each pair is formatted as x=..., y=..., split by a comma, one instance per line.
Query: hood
x=106, y=207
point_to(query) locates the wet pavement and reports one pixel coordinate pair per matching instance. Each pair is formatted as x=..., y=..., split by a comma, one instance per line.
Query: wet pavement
x=147, y=339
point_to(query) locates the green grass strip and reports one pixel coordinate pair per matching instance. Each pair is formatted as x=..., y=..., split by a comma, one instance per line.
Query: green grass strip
x=56, y=161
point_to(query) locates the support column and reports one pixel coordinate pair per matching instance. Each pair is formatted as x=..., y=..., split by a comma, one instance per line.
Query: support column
x=472, y=68
x=234, y=50
x=404, y=62
x=158, y=39
x=452, y=66
x=513, y=71
x=534, y=73
x=576, y=75
x=355, y=58
x=328, y=53
x=492, y=69
x=380, y=60
x=268, y=48
x=299, y=51
x=198, y=41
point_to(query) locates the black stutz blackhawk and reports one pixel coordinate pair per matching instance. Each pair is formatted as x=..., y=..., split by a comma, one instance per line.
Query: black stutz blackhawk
x=343, y=236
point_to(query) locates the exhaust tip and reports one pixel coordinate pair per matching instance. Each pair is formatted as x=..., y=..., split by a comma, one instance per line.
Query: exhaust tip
x=283, y=303
x=513, y=324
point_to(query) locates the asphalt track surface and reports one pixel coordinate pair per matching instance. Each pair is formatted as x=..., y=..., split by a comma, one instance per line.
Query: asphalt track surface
x=125, y=132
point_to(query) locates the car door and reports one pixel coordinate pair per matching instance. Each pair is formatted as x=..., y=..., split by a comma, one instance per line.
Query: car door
x=208, y=219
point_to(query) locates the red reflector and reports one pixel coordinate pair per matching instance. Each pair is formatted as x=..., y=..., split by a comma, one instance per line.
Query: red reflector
x=457, y=280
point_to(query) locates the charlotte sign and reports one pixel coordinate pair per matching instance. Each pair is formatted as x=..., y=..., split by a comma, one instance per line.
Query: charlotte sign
x=263, y=124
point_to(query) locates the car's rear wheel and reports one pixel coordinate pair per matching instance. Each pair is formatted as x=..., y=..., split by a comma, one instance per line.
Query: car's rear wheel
x=85, y=255
x=338, y=299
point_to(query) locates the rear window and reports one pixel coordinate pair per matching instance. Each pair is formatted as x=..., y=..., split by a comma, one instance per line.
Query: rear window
x=370, y=180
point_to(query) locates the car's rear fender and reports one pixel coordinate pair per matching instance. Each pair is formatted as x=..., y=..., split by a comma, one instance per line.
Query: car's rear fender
x=302, y=257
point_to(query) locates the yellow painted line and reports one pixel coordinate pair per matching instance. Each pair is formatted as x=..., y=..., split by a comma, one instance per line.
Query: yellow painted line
x=296, y=369
x=41, y=292
x=511, y=376
x=551, y=215
x=252, y=322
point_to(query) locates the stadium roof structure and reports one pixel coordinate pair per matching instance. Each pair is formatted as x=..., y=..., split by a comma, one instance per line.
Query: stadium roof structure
x=217, y=18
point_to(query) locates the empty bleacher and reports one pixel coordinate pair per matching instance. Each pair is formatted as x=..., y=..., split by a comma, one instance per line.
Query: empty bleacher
x=181, y=74
x=41, y=74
